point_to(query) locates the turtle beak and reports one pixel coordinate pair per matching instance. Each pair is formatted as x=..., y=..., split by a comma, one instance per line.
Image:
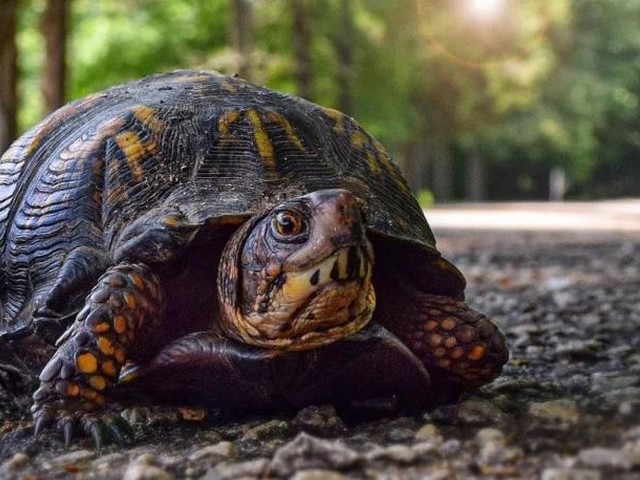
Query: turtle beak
x=347, y=264
x=338, y=223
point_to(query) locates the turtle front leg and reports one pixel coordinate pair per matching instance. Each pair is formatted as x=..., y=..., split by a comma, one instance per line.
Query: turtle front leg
x=125, y=303
x=461, y=348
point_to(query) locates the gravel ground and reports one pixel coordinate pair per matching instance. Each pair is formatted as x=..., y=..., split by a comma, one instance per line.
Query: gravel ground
x=566, y=407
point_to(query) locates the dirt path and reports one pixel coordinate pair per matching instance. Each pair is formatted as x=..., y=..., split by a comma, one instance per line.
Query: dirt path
x=610, y=216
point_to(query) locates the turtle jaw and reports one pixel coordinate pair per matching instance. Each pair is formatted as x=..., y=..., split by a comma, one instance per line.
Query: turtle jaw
x=314, y=306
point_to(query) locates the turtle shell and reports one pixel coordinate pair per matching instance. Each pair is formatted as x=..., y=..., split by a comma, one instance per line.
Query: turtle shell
x=215, y=149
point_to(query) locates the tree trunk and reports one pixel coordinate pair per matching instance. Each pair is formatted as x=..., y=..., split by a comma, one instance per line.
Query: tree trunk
x=54, y=29
x=241, y=36
x=475, y=178
x=302, y=47
x=344, y=46
x=439, y=157
x=414, y=164
x=8, y=73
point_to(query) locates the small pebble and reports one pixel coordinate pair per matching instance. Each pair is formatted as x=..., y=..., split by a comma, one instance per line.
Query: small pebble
x=219, y=451
x=632, y=434
x=316, y=474
x=150, y=415
x=400, y=435
x=17, y=462
x=604, y=457
x=321, y=420
x=629, y=409
x=232, y=471
x=394, y=453
x=429, y=432
x=306, y=452
x=632, y=451
x=563, y=409
x=74, y=457
x=425, y=451
x=146, y=458
x=450, y=448
x=481, y=412
x=490, y=435
x=138, y=471
x=570, y=474
x=268, y=430
x=493, y=453
x=440, y=474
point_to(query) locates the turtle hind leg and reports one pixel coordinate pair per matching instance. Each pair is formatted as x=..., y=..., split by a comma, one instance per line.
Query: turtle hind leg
x=125, y=305
x=461, y=342
x=461, y=348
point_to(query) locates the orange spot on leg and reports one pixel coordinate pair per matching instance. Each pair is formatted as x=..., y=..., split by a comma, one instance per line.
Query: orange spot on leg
x=120, y=324
x=88, y=393
x=456, y=353
x=430, y=325
x=449, y=323
x=73, y=390
x=87, y=363
x=101, y=327
x=477, y=352
x=119, y=354
x=137, y=279
x=450, y=342
x=98, y=382
x=435, y=340
x=105, y=345
x=108, y=368
x=439, y=352
x=130, y=300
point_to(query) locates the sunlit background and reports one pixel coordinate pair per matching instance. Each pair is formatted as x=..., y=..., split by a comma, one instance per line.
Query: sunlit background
x=476, y=99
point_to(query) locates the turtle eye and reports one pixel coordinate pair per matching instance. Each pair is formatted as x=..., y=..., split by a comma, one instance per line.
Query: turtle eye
x=288, y=223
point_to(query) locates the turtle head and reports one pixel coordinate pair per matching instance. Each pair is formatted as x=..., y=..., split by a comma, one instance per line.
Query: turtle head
x=299, y=276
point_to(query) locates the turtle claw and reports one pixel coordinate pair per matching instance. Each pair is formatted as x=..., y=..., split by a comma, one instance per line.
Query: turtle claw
x=104, y=428
x=117, y=435
x=120, y=430
x=67, y=431
x=43, y=420
x=110, y=428
x=98, y=433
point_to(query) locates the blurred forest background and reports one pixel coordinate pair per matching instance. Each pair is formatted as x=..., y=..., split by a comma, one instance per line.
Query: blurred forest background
x=475, y=99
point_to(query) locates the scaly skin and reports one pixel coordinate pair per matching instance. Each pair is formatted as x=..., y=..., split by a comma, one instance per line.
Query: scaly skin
x=75, y=382
x=450, y=337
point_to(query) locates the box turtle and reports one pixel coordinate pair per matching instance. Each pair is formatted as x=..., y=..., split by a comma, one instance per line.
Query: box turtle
x=192, y=239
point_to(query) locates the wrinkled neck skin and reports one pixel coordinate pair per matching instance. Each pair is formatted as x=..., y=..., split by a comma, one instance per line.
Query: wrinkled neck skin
x=299, y=294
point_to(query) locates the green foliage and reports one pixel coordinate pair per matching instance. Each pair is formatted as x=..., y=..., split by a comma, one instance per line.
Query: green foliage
x=586, y=110
x=112, y=42
x=117, y=41
x=425, y=197
x=531, y=86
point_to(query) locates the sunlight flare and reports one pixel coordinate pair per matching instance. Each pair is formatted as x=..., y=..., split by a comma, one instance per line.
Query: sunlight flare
x=486, y=9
